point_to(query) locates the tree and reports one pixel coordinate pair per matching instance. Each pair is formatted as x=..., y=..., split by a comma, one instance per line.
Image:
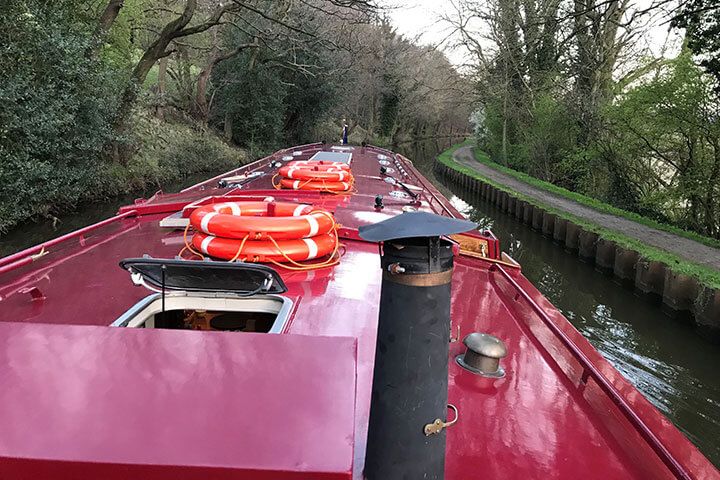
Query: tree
x=177, y=28
x=201, y=106
x=596, y=27
x=196, y=18
x=57, y=108
x=152, y=78
x=666, y=133
x=567, y=95
x=521, y=60
x=701, y=20
x=105, y=23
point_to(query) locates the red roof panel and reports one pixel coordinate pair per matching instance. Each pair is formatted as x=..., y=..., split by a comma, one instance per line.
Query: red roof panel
x=159, y=404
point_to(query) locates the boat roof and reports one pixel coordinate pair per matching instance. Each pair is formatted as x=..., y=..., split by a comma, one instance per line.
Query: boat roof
x=561, y=411
x=59, y=405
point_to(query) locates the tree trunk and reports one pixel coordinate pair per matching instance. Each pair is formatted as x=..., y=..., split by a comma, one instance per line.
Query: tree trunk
x=154, y=52
x=139, y=74
x=712, y=222
x=505, y=123
x=228, y=128
x=201, y=103
x=598, y=46
x=201, y=108
x=162, y=76
x=107, y=18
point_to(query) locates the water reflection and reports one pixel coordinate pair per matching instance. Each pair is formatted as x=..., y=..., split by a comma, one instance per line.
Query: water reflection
x=666, y=360
x=43, y=229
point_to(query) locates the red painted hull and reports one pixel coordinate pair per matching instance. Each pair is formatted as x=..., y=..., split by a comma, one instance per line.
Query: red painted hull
x=562, y=411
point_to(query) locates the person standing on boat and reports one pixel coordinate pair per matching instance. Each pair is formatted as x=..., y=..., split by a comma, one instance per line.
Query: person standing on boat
x=344, y=140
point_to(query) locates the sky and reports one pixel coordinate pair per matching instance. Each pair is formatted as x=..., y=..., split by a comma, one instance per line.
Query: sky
x=421, y=19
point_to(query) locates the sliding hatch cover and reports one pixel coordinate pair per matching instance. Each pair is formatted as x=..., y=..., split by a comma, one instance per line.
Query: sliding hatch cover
x=344, y=157
x=121, y=403
x=237, y=278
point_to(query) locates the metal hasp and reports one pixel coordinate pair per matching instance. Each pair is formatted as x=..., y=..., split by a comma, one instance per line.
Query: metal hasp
x=410, y=377
x=483, y=355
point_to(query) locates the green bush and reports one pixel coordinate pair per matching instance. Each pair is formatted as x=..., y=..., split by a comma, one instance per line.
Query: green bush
x=169, y=151
x=57, y=106
x=174, y=151
x=166, y=152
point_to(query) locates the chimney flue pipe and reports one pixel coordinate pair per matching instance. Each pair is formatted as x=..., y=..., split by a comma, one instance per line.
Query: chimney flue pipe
x=410, y=379
x=406, y=438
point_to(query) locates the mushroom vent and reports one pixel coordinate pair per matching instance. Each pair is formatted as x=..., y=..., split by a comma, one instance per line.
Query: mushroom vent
x=414, y=224
x=483, y=355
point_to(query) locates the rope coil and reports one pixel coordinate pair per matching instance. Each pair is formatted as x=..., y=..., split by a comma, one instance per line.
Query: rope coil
x=264, y=247
x=313, y=175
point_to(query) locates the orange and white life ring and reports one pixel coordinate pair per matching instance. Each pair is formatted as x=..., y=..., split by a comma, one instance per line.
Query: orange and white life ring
x=258, y=220
x=310, y=173
x=265, y=250
x=315, y=185
x=261, y=209
x=319, y=165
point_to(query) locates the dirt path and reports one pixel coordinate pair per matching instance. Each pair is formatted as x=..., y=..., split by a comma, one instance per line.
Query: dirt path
x=681, y=246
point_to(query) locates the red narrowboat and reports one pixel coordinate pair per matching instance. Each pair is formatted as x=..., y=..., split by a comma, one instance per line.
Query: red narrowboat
x=321, y=313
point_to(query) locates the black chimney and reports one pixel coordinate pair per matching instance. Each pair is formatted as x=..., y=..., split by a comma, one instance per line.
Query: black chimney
x=410, y=378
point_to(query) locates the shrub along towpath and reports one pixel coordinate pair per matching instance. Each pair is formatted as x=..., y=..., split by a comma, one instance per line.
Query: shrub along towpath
x=685, y=248
x=680, y=267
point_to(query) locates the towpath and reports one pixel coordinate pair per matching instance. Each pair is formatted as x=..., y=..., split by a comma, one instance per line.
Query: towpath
x=683, y=247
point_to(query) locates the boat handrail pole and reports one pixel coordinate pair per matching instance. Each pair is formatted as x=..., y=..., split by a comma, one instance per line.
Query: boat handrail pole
x=23, y=257
x=235, y=171
x=245, y=167
x=589, y=369
x=427, y=189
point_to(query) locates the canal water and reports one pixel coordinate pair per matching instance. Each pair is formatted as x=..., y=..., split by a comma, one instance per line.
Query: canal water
x=672, y=366
x=44, y=229
x=675, y=368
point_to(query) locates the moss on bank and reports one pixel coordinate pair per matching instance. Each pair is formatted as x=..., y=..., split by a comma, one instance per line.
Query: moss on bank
x=483, y=158
x=166, y=151
x=170, y=151
x=704, y=274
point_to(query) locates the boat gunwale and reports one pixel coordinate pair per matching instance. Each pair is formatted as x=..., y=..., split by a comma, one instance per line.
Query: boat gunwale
x=625, y=405
x=589, y=369
x=248, y=165
x=28, y=255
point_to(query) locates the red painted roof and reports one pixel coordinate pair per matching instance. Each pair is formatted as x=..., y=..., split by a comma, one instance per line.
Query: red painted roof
x=541, y=420
x=112, y=400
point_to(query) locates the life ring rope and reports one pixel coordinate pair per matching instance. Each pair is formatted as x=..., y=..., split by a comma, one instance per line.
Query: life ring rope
x=332, y=260
x=322, y=187
x=188, y=246
x=291, y=264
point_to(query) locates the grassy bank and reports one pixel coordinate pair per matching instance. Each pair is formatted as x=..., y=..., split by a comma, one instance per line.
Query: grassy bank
x=592, y=202
x=166, y=151
x=170, y=151
x=706, y=275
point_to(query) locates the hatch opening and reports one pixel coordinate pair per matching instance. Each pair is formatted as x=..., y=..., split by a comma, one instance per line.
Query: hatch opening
x=259, y=322
x=189, y=311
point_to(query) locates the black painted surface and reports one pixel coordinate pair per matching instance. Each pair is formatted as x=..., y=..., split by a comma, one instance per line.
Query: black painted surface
x=410, y=376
